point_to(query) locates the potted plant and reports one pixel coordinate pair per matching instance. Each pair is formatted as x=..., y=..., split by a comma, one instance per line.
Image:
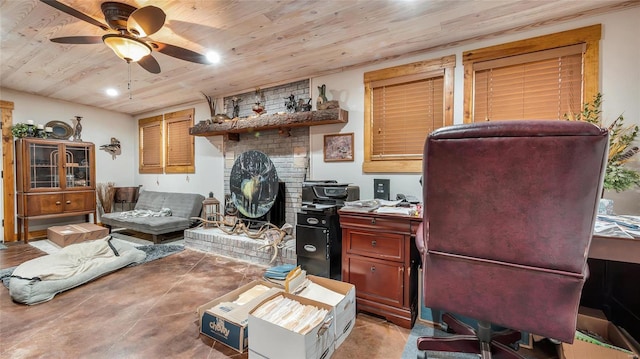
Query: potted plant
x=617, y=177
x=20, y=130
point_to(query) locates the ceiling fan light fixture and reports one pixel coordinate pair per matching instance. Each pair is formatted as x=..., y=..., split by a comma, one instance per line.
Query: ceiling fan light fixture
x=127, y=48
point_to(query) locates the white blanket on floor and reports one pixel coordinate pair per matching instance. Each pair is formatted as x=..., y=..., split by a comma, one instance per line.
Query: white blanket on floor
x=69, y=261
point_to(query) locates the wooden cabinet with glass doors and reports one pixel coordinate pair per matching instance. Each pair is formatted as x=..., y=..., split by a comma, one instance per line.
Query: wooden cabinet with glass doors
x=54, y=179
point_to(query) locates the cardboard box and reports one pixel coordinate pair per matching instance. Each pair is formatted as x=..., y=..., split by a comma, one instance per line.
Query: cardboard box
x=345, y=311
x=272, y=341
x=75, y=233
x=232, y=332
x=595, y=321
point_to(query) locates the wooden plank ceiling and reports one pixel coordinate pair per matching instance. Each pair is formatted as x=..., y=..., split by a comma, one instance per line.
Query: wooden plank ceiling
x=262, y=43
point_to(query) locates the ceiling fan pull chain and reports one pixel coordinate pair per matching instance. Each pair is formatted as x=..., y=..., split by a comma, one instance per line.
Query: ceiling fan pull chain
x=129, y=82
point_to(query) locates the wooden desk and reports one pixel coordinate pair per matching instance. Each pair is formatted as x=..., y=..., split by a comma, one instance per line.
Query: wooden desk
x=380, y=258
x=615, y=249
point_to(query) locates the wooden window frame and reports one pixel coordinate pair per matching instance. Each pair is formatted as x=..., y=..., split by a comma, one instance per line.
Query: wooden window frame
x=443, y=66
x=179, y=117
x=155, y=121
x=589, y=36
x=165, y=122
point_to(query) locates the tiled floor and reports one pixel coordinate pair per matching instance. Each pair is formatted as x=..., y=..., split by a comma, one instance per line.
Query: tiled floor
x=149, y=311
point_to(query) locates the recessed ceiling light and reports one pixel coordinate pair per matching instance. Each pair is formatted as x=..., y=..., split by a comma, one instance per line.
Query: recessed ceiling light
x=112, y=92
x=213, y=57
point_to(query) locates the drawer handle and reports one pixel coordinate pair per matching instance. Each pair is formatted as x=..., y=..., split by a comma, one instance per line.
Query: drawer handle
x=373, y=268
x=57, y=203
x=309, y=248
x=373, y=243
x=68, y=202
x=373, y=221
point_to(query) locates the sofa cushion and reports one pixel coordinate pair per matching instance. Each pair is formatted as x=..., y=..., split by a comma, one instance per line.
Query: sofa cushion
x=185, y=205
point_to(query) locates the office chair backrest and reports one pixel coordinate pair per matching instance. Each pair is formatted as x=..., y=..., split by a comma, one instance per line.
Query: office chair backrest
x=509, y=209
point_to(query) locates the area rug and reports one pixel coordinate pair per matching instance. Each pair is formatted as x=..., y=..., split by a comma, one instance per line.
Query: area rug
x=153, y=252
x=420, y=330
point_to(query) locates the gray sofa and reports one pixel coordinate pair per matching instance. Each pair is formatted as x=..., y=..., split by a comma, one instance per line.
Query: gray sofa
x=150, y=214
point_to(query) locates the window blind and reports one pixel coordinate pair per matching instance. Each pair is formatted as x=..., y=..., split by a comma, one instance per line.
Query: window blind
x=179, y=145
x=150, y=132
x=403, y=114
x=538, y=86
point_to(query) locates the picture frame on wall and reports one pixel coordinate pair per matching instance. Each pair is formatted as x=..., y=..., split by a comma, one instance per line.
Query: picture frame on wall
x=338, y=147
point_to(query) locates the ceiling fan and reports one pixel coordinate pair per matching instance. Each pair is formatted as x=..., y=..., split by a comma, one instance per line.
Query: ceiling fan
x=129, y=28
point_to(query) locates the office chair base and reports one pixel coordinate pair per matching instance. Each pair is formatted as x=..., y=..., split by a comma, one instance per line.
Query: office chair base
x=467, y=341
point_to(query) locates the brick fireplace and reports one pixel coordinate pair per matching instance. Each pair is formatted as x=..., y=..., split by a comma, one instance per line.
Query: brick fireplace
x=290, y=156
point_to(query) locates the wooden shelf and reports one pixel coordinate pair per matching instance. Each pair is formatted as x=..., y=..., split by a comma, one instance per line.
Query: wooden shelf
x=271, y=122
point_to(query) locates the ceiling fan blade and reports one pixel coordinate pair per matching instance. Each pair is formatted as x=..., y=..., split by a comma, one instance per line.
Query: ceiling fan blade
x=78, y=40
x=150, y=64
x=180, y=53
x=146, y=21
x=75, y=13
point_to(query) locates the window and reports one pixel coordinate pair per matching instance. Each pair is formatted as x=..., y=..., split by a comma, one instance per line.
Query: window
x=179, y=145
x=150, y=132
x=165, y=143
x=403, y=105
x=539, y=78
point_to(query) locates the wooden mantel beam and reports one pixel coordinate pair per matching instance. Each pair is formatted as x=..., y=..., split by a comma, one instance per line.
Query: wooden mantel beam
x=271, y=122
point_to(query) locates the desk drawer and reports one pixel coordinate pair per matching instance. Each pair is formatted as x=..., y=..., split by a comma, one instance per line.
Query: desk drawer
x=375, y=223
x=381, y=245
x=377, y=280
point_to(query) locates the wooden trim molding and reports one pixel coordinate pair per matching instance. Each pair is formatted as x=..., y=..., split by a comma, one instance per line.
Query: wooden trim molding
x=443, y=66
x=8, y=179
x=590, y=36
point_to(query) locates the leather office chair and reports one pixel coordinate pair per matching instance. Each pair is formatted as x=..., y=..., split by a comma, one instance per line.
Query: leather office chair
x=509, y=209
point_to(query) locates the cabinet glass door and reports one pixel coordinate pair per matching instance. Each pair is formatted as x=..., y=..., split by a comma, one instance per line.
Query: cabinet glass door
x=77, y=166
x=44, y=165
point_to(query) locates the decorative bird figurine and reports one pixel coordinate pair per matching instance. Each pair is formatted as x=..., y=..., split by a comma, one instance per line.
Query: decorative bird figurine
x=113, y=148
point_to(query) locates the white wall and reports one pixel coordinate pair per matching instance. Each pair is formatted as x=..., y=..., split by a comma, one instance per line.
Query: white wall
x=98, y=126
x=209, y=162
x=620, y=85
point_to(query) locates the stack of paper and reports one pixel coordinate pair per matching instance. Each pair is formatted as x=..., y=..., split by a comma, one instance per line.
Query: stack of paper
x=279, y=272
x=236, y=310
x=291, y=314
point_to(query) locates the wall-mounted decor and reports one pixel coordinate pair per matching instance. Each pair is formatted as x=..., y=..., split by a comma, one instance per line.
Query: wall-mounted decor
x=113, y=148
x=338, y=147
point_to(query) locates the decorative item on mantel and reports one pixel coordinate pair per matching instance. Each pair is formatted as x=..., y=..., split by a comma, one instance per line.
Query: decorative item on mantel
x=235, y=101
x=215, y=118
x=322, y=98
x=290, y=103
x=323, y=103
x=302, y=106
x=113, y=148
x=257, y=107
x=77, y=134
